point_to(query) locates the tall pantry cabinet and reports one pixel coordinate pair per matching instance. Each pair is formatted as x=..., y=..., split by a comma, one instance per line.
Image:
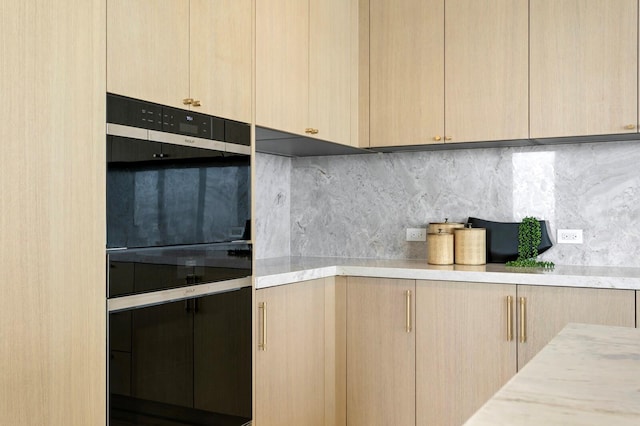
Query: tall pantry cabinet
x=52, y=227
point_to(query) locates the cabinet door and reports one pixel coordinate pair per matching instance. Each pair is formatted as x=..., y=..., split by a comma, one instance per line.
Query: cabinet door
x=406, y=72
x=381, y=380
x=463, y=351
x=638, y=309
x=290, y=370
x=282, y=64
x=220, y=52
x=52, y=213
x=549, y=309
x=584, y=67
x=148, y=50
x=330, y=68
x=487, y=74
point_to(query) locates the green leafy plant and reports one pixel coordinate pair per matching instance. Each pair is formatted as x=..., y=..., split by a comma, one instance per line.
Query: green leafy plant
x=529, y=235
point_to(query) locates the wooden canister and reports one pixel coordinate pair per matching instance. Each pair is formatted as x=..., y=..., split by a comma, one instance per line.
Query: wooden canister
x=470, y=246
x=440, y=248
x=446, y=226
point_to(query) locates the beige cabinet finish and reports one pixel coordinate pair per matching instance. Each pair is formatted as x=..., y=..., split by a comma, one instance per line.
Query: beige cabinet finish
x=549, y=309
x=220, y=57
x=406, y=71
x=290, y=358
x=463, y=351
x=584, y=67
x=52, y=204
x=148, y=50
x=380, y=352
x=166, y=51
x=306, y=67
x=487, y=70
x=445, y=72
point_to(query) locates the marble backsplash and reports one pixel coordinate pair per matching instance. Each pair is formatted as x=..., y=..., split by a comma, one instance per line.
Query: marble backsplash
x=359, y=206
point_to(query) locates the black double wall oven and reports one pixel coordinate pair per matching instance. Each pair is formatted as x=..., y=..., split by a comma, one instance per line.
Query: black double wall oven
x=178, y=264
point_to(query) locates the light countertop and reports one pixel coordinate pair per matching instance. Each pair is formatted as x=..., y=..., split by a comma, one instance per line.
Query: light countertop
x=587, y=375
x=286, y=270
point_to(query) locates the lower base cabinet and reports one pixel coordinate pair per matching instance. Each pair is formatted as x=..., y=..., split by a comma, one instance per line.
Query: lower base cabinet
x=300, y=363
x=381, y=352
x=372, y=351
x=549, y=309
x=465, y=348
x=471, y=338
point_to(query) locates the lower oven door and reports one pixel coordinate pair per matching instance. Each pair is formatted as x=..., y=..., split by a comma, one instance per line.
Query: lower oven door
x=185, y=362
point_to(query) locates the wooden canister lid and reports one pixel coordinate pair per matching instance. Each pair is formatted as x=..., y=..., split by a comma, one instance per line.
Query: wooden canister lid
x=446, y=226
x=440, y=248
x=470, y=246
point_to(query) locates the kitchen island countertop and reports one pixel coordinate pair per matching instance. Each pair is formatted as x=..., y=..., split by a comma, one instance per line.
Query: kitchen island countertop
x=285, y=270
x=587, y=375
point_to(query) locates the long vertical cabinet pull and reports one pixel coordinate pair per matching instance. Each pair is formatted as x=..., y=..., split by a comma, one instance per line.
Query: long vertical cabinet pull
x=262, y=344
x=509, y=318
x=523, y=319
x=408, y=294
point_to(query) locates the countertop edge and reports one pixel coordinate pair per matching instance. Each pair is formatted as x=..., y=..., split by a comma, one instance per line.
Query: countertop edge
x=293, y=270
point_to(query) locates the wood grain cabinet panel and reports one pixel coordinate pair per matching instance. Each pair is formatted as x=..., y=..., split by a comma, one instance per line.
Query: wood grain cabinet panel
x=584, y=67
x=487, y=76
x=148, y=50
x=166, y=51
x=301, y=373
x=549, y=309
x=381, y=352
x=220, y=57
x=306, y=67
x=446, y=72
x=406, y=71
x=463, y=351
x=52, y=213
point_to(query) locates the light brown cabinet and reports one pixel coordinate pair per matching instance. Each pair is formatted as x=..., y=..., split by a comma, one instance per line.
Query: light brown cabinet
x=52, y=213
x=190, y=54
x=299, y=372
x=381, y=352
x=454, y=71
x=488, y=332
x=549, y=309
x=306, y=68
x=486, y=70
x=584, y=67
x=463, y=349
x=406, y=71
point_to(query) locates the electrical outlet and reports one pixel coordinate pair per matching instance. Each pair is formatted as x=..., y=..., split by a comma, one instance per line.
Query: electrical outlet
x=416, y=234
x=569, y=236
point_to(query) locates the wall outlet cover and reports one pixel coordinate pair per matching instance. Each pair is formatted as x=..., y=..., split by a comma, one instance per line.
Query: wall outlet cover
x=416, y=234
x=569, y=236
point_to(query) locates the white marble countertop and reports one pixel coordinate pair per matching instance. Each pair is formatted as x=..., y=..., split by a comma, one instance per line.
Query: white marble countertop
x=285, y=270
x=587, y=375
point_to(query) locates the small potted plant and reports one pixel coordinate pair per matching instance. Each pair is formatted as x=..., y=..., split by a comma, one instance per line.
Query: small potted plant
x=529, y=235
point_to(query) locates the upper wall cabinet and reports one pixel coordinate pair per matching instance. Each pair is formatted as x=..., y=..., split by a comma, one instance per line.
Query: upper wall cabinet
x=454, y=71
x=406, y=71
x=192, y=54
x=306, y=67
x=486, y=70
x=584, y=67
